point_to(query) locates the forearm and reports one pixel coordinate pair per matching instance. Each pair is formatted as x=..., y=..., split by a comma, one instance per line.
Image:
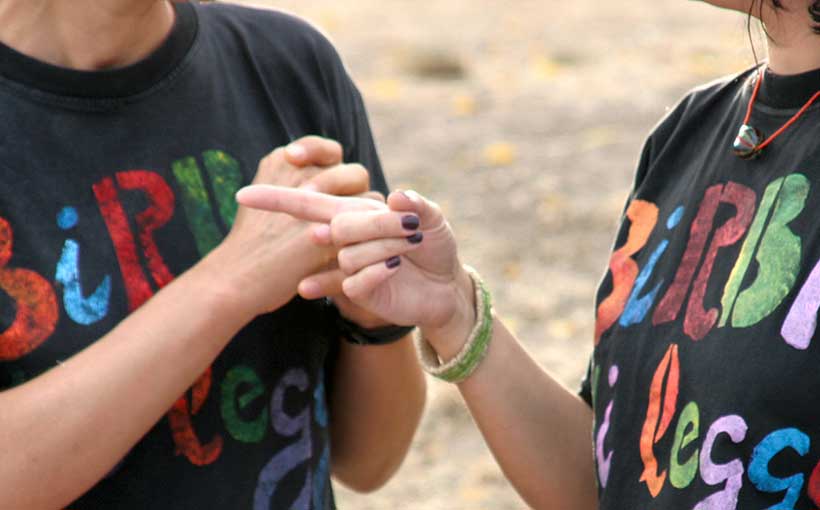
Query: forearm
x=63, y=431
x=377, y=402
x=538, y=431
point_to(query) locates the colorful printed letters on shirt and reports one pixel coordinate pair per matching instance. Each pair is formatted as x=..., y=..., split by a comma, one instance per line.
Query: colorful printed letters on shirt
x=767, y=259
x=144, y=271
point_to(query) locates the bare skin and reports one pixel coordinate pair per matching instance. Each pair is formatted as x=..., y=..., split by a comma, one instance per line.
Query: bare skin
x=793, y=47
x=512, y=407
x=48, y=432
x=86, y=35
x=538, y=431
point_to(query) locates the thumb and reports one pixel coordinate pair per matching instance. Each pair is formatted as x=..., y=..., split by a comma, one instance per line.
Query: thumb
x=429, y=212
x=313, y=151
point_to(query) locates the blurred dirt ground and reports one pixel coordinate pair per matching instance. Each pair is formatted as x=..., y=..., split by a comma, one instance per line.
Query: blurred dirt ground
x=523, y=119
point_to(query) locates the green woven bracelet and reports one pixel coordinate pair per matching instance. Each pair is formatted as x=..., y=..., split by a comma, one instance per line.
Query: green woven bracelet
x=464, y=364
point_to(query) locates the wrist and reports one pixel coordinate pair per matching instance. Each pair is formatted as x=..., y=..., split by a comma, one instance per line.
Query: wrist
x=356, y=333
x=211, y=295
x=463, y=364
x=222, y=270
x=448, y=339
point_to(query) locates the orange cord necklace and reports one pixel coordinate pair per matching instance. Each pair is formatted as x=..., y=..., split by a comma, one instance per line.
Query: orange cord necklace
x=748, y=143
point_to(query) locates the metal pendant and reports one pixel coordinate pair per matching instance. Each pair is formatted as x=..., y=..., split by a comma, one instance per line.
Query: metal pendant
x=747, y=141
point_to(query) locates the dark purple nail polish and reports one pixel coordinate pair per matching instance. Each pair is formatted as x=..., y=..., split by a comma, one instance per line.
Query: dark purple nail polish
x=410, y=222
x=393, y=262
x=415, y=238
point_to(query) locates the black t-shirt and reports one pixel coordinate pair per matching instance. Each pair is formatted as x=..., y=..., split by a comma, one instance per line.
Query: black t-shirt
x=705, y=380
x=113, y=182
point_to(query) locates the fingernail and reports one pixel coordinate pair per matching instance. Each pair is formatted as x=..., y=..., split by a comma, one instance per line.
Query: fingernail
x=410, y=222
x=309, y=186
x=415, y=238
x=242, y=194
x=393, y=262
x=410, y=194
x=296, y=151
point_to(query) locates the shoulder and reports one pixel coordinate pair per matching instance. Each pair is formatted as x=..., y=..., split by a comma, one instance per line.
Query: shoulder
x=706, y=105
x=717, y=97
x=695, y=119
x=264, y=32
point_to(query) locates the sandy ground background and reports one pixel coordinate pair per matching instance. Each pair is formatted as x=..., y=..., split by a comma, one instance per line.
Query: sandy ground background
x=524, y=120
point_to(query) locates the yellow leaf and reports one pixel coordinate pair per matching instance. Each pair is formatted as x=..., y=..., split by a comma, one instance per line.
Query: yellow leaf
x=512, y=270
x=464, y=105
x=560, y=329
x=387, y=89
x=545, y=67
x=500, y=154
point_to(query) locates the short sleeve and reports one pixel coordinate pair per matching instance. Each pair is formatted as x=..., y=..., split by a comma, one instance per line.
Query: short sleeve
x=351, y=118
x=352, y=131
x=308, y=82
x=358, y=141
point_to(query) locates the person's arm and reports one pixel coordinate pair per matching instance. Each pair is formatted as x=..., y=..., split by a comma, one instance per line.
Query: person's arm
x=376, y=406
x=63, y=431
x=539, y=432
x=377, y=393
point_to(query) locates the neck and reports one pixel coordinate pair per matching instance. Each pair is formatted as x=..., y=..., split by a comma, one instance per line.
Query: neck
x=793, y=47
x=86, y=35
x=794, y=58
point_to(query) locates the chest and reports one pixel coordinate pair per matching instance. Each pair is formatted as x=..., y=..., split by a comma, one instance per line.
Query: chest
x=705, y=375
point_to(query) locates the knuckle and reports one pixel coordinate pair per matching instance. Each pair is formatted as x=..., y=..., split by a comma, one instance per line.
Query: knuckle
x=384, y=226
x=276, y=156
x=347, y=262
x=340, y=231
x=376, y=196
x=434, y=207
x=358, y=172
x=395, y=247
x=270, y=163
x=351, y=289
x=325, y=149
x=265, y=164
x=332, y=145
x=310, y=174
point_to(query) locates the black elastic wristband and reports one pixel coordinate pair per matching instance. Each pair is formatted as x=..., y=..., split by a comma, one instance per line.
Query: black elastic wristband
x=358, y=335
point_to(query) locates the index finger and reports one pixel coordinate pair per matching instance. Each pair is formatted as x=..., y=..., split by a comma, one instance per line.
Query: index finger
x=303, y=204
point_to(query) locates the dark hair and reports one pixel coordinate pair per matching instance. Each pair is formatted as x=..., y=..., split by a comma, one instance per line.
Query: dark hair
x=814, y=12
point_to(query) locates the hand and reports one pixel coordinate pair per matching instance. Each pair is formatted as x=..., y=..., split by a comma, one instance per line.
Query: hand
x=265, y=255
x=332, y=277
x=428, y=287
